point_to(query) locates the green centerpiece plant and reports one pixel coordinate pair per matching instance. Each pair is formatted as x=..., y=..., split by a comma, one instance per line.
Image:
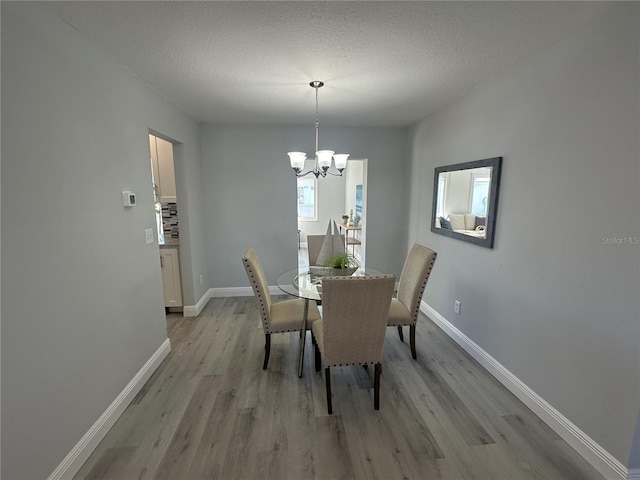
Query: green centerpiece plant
x=342, y=264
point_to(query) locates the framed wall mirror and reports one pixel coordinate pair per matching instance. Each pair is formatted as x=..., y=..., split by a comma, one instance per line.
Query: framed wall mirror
x=465, y=200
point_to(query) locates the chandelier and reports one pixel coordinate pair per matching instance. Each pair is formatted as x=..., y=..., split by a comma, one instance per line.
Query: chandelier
x=323, y=157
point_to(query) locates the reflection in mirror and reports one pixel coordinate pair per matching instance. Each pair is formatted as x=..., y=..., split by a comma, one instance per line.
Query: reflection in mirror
x=465, y=199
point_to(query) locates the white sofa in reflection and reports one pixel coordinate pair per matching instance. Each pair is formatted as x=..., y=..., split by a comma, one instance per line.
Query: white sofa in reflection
x=465, y=223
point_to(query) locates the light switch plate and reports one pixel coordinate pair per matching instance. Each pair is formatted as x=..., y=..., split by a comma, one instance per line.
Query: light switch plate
x=148, y=236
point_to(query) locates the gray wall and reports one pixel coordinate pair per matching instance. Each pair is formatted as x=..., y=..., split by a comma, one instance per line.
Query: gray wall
x=82, y=306
x=552, y=302
x=189, y=189
x=250, y=195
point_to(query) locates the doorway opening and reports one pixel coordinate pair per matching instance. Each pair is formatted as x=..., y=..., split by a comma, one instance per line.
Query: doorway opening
x=320, y=201
x=166, y=213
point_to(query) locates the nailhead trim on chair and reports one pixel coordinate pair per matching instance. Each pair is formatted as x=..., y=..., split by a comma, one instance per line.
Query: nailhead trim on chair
x=345, y=364
x=416, y=309
x=261, y=302
x=263, y=306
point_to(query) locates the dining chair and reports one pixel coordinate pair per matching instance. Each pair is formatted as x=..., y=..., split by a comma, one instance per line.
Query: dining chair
x=314, y=245
x=353, y=324
x=413, y=280
x=277, y=317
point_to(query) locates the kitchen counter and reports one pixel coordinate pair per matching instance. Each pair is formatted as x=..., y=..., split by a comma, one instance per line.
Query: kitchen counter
x=168, y=241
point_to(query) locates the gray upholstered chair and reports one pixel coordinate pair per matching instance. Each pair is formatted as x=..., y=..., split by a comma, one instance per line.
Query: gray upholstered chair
x=353, y=325
x=413, y=280
x=277, y=317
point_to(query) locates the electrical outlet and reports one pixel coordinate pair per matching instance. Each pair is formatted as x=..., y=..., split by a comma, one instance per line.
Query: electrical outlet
x=456, y=307
x=201, y=279
x=148, y=236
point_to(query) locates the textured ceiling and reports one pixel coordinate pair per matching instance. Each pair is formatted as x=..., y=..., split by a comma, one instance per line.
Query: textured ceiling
x=383, y=63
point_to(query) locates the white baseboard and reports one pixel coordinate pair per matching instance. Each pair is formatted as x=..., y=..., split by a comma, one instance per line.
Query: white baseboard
x=634, y=474
x=231, y=292
x=79, y=454
x=240, y=292
x=195, y=310
x=593, y=453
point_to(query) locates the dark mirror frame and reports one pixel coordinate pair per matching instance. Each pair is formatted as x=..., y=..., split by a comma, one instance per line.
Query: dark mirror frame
x=492, y=207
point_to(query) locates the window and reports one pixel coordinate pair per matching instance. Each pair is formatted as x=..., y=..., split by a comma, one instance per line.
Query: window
x=307, y=199
x=480, y=194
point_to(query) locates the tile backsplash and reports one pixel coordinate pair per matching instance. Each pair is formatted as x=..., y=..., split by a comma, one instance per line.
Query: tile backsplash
x=170, y=219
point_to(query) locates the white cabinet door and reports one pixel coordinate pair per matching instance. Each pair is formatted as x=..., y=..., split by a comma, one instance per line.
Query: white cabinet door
x=171, y=277
x=163, y=170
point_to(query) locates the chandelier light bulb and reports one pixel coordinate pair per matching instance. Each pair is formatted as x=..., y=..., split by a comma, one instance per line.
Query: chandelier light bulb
x=324, y=158
x=341, y=160
x=297, y=160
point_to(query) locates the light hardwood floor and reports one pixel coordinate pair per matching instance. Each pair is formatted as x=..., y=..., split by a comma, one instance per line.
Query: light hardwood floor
x=210, y=411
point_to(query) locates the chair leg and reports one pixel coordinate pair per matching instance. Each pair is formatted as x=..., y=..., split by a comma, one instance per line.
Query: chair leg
x=318, y=359
x=267, y=350
x=400, y=334
x=327, y=379
x=412, y=340
x=376, y=387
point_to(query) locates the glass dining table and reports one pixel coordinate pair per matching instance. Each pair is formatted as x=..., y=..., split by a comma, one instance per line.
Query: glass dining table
x=301, y=283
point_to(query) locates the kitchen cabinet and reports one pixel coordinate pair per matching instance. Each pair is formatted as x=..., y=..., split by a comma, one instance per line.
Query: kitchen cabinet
x=171, y=287
x=164, y=180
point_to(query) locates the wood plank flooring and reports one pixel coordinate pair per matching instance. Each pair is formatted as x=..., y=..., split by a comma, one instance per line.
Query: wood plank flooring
x=211, y=412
